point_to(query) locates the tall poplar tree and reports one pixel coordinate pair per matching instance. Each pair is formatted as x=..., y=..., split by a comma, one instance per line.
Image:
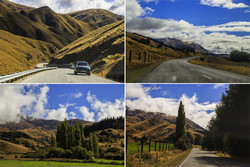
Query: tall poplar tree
x=181, y=122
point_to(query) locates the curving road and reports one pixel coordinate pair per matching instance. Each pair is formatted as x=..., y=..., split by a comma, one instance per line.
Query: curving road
x=63, y=75
x=180, y=71
x=198, y=158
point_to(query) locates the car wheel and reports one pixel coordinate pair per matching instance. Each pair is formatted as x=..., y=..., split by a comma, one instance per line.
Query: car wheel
x=75, y=73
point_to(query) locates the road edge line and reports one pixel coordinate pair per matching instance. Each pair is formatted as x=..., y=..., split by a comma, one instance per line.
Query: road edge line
x=186, y=158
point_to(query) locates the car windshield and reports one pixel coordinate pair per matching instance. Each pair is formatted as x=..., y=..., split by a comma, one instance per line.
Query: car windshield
x=82, y=63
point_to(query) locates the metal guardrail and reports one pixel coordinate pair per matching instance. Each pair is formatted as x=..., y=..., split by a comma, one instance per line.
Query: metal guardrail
x=16, y=76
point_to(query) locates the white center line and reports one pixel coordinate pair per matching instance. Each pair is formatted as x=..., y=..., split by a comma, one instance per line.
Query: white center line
x=206, y=76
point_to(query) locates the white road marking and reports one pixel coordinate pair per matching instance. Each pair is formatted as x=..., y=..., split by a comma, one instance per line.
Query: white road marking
x=206, y=76
x=186, y=159
x=191, y=69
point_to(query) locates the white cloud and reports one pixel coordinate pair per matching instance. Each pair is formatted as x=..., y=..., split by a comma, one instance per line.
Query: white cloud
x=136, y=90
x=216, y=86
x=229, y=4
x=16, y=100
x=247, y=11
x=66, y=6
x=58, y=114
x=106, y=109
x=42, y=100
x=72, y=115
x=87, y=116
x=164, y=93
x=198, y=112
x=213, y=38
x=71, y=95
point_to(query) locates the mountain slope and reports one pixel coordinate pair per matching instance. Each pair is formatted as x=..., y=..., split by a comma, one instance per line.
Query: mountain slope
x=98, y=17
x=102, y=48
x=157, y=126
x=19, y=53
x=30, y=122
x=42, y=24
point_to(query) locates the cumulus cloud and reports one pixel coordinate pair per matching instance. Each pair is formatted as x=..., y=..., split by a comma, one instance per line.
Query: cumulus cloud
x=215, y=38
x=66, y=6
x=58, y=114
x=200, y=113
x=105, y=109
x=16, y=100
x=229, y=4
x=86, y=114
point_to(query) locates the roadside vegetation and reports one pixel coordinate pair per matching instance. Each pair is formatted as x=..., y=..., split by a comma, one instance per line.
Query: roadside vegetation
x=101, y=142
x=147, y=152
x=228, y=132
x=238, y=62
x=143, y=54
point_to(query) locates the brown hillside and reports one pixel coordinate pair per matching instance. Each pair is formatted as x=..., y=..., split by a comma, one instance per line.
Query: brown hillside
x=98, y=17
x=19, y=53
x=102, y=47
x=157, y=126
x=42, y=24
x=14, y=6
x=29, y=123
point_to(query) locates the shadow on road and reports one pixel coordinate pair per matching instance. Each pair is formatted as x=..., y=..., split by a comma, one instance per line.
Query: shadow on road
x=80, y=74
x=219, y=161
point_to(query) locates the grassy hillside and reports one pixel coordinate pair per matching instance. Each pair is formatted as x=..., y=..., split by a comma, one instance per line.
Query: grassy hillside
x=144, y=54
x=158, y=126
x=102, y=48
x=19, y=53
x=42, y=24
x=98, y=17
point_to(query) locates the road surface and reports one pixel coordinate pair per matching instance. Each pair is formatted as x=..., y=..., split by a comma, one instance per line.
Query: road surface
x=180, y=71
x=201, y=158
x=63, y=75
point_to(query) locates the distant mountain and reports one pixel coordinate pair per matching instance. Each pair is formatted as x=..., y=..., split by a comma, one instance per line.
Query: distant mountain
x=175, y=43
x=30, y=122
x=158, y=126
x=102, y=48
x=98, y=17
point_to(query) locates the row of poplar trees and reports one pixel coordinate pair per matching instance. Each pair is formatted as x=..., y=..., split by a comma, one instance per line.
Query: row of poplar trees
x=69, y=135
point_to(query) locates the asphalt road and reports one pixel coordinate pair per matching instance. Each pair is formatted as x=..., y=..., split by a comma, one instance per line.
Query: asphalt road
x=201, y=158
x=180, y=71
x=63, y=75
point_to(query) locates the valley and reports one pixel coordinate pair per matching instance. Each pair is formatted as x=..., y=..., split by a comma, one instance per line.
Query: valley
x=43, y=35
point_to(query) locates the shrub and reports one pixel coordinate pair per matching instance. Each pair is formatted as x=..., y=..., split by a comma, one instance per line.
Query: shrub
x=113, y=150
x=81, y=153
x=56, y=153
x=182, y=143
x=32, y=155
x=67, y=153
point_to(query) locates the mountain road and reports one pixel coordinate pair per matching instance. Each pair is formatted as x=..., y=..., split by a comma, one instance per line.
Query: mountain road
x=198, y=158
x=181, y=71
x=63, y=75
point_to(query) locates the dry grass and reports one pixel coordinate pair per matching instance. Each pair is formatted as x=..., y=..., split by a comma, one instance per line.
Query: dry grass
x=164, y=158
x=19, y=53
x=103, y=47
x=145, y=56
x=224, y=64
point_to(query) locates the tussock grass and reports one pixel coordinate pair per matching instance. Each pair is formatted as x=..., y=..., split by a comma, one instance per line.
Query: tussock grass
x=19, y=53
x=224, y=64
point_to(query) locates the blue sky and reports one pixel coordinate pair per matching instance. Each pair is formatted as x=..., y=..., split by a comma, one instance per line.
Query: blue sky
x=199, y=100
x=91, y=102
x=210, y=23
x=66, y=6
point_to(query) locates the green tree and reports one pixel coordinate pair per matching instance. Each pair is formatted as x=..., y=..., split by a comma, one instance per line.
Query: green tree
x=230, y=129
x=181, y=122
x=52, y=141
x=95, y=144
